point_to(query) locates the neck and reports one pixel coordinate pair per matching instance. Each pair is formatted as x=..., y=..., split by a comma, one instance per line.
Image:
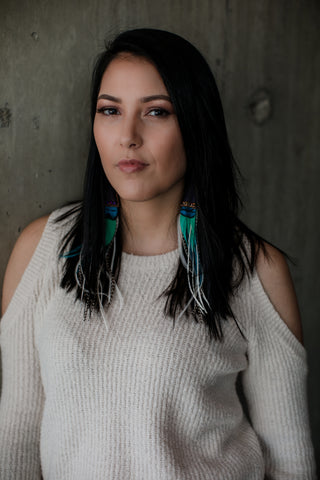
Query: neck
x=149, y=228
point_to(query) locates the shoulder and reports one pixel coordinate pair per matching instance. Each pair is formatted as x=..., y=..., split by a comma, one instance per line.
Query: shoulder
x=20, y=258
x=275, y=277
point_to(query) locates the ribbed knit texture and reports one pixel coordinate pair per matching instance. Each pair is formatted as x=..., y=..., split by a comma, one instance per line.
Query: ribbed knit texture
x=144, y=398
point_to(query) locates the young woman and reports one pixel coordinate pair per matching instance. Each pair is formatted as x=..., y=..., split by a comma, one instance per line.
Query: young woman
x=189, y=364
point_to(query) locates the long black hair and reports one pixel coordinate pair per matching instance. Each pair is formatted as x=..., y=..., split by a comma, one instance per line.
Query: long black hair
x=224, y=241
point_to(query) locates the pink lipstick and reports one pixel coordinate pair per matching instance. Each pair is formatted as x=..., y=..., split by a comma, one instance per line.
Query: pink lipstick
x=131, y=166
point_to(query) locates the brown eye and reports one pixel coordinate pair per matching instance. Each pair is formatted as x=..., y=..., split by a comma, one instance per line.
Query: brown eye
x=108, y=111
x=158, y=112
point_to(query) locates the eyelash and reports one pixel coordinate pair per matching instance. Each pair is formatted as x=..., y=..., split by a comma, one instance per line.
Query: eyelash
x=160, y=112
x=103, y=110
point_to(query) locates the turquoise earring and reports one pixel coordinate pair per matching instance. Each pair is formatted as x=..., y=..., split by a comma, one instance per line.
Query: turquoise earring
x=189, y=254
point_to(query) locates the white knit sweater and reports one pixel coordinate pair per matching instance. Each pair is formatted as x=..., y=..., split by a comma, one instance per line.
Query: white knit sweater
x=145, y=399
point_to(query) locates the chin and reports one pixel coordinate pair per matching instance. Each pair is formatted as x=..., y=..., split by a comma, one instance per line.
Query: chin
x=138, y=195
x=135, y=198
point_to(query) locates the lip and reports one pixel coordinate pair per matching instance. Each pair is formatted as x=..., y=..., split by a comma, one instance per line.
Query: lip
x=131, y=165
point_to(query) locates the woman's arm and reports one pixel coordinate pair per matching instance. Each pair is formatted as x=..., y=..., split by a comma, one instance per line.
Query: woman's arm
x=276, y=280
x=22, y=395
x=20, y=258
x=275, y=381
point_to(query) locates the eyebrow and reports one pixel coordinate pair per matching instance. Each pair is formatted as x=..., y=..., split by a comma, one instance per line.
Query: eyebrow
x=155, y=97
x=150, y=98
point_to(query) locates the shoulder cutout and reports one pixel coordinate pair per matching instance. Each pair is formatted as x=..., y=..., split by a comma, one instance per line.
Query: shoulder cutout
x=20, y=258
x=276, y=280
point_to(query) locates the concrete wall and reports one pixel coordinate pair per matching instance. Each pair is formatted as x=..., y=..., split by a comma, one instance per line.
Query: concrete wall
x=265, y=55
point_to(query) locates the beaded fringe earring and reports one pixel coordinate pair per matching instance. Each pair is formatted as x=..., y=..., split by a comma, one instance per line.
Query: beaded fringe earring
x=190, y=257
x=111, y=217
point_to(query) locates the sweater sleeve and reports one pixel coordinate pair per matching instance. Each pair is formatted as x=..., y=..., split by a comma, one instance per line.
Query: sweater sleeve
x=275, y=388
x=22, y=395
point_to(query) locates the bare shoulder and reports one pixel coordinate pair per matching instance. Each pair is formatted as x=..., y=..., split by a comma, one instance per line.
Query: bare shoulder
x=20, y=258
x=276, y=280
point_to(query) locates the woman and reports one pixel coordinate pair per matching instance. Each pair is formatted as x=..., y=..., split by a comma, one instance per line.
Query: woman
x=183, y=303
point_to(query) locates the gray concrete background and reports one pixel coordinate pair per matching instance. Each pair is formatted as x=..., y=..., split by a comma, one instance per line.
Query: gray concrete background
x=265, y=55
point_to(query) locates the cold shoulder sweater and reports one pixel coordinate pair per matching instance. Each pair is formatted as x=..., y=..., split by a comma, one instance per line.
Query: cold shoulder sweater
x=141, y=397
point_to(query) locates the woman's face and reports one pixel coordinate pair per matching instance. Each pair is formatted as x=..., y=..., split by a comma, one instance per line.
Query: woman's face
x=137, y=132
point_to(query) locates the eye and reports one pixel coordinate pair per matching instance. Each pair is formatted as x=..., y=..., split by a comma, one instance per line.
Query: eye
x=108, y=111
x=158, y=112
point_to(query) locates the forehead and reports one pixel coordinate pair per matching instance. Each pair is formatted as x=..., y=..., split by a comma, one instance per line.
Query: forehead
x=129, y=73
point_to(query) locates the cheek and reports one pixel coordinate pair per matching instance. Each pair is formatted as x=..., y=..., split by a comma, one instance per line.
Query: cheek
x=98, y=136
x=175, y=155
x=101, y=143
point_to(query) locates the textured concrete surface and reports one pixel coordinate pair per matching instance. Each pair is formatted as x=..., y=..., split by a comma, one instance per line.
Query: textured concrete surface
x=265, y=55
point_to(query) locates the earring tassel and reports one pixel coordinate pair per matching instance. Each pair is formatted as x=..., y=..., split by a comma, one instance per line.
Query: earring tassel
x=111, y=226
x=189, y=255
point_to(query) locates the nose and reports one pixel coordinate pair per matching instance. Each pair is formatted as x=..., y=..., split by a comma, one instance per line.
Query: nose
x=130, y=136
